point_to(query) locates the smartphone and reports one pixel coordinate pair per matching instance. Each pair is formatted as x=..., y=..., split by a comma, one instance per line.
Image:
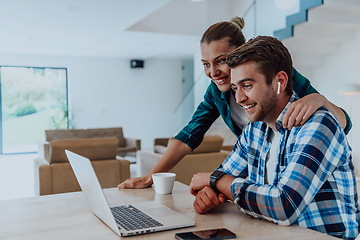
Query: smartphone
x=219, y=233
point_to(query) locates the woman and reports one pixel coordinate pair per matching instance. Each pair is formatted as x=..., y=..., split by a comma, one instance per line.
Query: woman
x=216, y=43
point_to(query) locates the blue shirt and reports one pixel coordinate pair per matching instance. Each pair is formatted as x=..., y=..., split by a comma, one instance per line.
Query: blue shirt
x=217, y=103
x=314, y=185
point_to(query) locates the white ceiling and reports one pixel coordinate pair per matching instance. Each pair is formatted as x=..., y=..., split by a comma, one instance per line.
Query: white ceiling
x=102, y=28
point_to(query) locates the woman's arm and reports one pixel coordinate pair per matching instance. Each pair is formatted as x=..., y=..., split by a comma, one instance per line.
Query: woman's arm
x=175, y=152
x=185, y=141
x=205, y=115
x=301, y=110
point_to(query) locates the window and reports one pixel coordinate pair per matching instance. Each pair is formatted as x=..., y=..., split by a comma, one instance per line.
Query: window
x=32, y=100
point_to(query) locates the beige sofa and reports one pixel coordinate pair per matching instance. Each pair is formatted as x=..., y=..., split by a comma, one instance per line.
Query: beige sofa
x=126, y=147
x=204, y=158
x=55, y=175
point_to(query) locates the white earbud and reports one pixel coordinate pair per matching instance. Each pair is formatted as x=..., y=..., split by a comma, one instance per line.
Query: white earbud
x=278, y=89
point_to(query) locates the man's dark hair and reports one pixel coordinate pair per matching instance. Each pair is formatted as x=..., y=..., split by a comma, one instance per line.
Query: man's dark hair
x=269, y=54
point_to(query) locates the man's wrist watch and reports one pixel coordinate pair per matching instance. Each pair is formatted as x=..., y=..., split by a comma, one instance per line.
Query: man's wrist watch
x=216, y=175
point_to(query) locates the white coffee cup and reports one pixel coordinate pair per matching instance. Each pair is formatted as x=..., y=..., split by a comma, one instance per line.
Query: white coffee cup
x=163, y=182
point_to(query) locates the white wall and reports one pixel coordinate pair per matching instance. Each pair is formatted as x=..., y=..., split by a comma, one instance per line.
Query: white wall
x=338, y=70
x=107, y=92
x=264, y=17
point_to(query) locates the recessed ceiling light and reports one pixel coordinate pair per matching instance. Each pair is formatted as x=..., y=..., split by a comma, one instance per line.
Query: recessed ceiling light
x=197, y=0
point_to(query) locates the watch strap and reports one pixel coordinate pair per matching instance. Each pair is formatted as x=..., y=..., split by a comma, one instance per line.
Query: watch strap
x=216, y=175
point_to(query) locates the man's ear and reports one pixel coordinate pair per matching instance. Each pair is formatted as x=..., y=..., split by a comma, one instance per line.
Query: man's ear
x=280, y=81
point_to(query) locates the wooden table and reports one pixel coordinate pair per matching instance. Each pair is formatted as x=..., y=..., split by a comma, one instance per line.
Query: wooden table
x=67, y=216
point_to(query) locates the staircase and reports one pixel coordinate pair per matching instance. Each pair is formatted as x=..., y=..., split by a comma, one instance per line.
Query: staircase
x=319, y=30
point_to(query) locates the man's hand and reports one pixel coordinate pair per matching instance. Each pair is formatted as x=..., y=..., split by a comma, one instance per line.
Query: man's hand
x=198, y=182
x=207, y=199
x=139, y=182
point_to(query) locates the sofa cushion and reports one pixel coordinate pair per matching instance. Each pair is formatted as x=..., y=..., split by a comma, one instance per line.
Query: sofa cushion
x=210, y=143
x=161, y=141
x=127, y=149
x=92, y=148
x=64, y=134
x=107, y=132
x=108, y=172
x=195, y=163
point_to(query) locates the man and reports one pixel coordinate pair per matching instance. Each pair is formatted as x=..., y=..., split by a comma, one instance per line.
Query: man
x=302, y=176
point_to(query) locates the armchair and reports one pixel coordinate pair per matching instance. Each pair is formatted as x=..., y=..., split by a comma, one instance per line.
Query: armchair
x=204, y=158
x=126, y=146
x=55, y=175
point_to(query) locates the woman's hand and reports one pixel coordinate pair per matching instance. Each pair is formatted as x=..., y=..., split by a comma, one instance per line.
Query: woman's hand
x=301, y=110
x=139, y=182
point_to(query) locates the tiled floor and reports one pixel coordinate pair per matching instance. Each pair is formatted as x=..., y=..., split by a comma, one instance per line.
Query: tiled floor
x=17, y=175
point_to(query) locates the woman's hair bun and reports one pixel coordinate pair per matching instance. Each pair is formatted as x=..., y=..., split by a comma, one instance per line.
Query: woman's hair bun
x=239, y=21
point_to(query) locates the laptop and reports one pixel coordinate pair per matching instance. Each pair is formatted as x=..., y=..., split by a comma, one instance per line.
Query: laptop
x=126, y=220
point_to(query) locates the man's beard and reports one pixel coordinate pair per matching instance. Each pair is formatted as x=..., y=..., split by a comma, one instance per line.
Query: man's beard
x=265, y=110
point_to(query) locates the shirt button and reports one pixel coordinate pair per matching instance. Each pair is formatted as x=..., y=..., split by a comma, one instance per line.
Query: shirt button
x=261, y=173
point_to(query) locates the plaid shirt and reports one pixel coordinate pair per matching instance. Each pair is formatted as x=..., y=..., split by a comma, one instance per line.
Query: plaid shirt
x=314, y=186
x=216, y=103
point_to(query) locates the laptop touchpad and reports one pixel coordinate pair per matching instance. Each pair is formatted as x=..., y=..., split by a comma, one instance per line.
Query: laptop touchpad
x=160, y=212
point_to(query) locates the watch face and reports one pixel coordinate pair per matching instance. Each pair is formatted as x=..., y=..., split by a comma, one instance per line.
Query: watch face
x=217, y=173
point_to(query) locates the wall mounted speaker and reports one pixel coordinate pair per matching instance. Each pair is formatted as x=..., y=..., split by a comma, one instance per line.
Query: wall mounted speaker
x=134, y=63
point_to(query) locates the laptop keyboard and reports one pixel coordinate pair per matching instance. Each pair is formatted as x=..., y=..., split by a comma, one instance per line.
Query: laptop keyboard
x=131, y=218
